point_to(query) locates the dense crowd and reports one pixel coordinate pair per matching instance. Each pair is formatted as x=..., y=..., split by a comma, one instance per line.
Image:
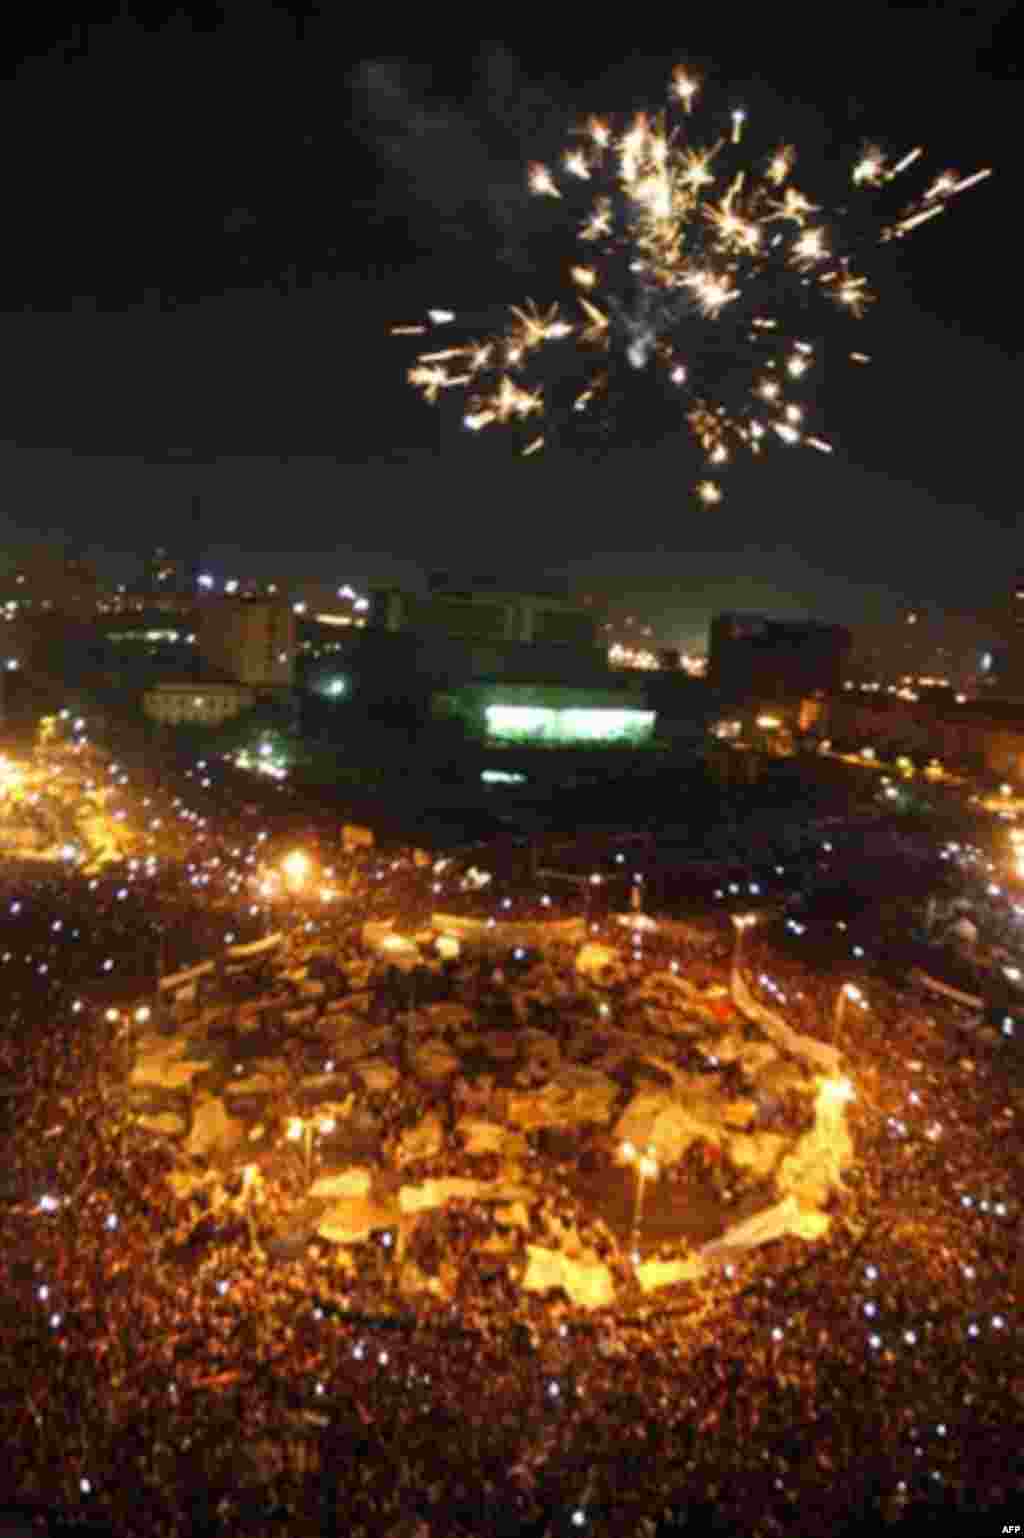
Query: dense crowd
x=868, y=1379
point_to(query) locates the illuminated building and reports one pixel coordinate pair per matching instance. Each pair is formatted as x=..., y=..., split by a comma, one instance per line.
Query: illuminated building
x=517, y=666
x=196, y=703
x=983, y=736
x=642, y=658
x=244, y=652
x=551, y=716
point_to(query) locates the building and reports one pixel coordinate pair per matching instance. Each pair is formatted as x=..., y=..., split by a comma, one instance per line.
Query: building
x=981, y=736
x=483, y=610
x=49, y=581
x=523, y=666
x=753, y=657
x=196, y=702
x=484, y=633
x=251, y=640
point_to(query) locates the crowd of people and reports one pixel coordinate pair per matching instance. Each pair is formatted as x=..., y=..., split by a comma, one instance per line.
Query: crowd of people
x=870, y=1379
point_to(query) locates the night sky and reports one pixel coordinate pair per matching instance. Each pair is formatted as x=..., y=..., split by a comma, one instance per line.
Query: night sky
x=210, y=225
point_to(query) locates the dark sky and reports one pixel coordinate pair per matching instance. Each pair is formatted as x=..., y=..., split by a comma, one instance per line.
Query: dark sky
x=212, y=220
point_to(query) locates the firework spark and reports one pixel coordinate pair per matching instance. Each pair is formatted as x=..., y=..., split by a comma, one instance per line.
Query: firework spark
x=698, y=268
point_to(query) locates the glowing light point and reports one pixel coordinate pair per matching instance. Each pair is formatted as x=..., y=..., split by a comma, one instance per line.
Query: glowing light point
x=685, y=88
x=541, y=182
x=296, y=867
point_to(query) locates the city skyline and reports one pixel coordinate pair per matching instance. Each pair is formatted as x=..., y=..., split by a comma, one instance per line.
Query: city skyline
x=922, y=640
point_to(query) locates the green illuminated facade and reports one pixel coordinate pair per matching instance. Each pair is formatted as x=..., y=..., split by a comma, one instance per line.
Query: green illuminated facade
x=550, y=716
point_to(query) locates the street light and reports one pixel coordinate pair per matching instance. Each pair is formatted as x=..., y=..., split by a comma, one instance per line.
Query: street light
x=847, y=991
x=296, y=867
x=837, y=1091
x=742, y=922
x=303, y=1127
x=829, y=1123
x=591, y=883
x=252, y=1191
x=645, y=1166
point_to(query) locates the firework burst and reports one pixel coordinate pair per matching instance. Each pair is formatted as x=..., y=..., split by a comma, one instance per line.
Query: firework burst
x=698, y=265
